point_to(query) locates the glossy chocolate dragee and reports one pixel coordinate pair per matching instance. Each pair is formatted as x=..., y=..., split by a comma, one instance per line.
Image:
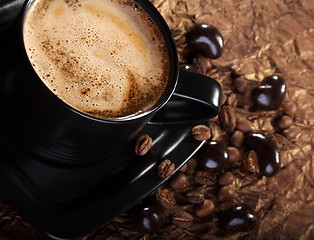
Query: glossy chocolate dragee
x=205, y=39
x=238, y=218
x=270, y=94
x=77, y=50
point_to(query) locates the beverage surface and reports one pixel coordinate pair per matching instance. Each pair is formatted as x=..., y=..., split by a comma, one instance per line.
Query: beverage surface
x=105, y=58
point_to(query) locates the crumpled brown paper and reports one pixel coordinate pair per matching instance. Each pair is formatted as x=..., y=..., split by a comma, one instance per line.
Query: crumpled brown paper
x=261, y=38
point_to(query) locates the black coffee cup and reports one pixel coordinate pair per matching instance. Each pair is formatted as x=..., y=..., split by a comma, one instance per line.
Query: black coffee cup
x=52, y=130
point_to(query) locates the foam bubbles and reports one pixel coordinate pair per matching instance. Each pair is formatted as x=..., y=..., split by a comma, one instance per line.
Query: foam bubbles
x=101, y=57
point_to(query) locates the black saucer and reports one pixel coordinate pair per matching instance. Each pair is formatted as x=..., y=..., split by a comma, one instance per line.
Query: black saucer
x=66, y=202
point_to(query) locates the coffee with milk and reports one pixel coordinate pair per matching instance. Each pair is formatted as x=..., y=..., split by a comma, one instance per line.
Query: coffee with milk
x=105, y=58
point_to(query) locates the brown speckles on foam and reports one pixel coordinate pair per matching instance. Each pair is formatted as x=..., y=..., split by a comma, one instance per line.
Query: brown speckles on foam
x=84, y=52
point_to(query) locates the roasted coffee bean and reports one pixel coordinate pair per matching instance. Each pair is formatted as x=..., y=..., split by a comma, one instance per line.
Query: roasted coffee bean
x=165, y=198
x=234, y=155
x=205, y=209
x=213, y=157
x=227, y=118
x=240, y=84
x=203, y=63
x=184, y=168
x=232, y=100
x=182, y=219
x=270, y=94
x=166, y=168
x=205, y=39
x=284, y=122
x=170, y=232
x=195, y=197
x=226, y=178
x=245, y=125
x=236, y=139
x=238, y=218
x=205, y=177
x=290, y=133
x=149, y=218
x=225, y=193
x=179, y=181
x=143, y=145
x=290, y=109
x=267, y=152
x=280, y=141
x=201, y=132
x=250, y=162
x=223, y=99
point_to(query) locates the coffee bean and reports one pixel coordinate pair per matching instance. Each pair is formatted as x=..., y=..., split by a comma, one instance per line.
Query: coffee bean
x=223, y=99
x=149, y=218
x=205, y=39
x=240, y=84
x=226, y=178
x=290, y=133
x=165, y=198
x=237, y=139
x=250, y=162
x=170, y=232
x=205, y=177
x=270, y=94
x=280, y=141
x=225, y=193
x=203, y=63
x=166, y=168
x=143, y=145
x=238, y=218
x=205, y=209
x=227, y=118
x=179, y=181
x=201, y=132
x=245, y=125
x=284, y=122
x=234, y=155
x=232, y=100
x=290, y=109
x=213, y=157
x=182, y=219
x=184, y=168
x=267, y=152
x=195, y=197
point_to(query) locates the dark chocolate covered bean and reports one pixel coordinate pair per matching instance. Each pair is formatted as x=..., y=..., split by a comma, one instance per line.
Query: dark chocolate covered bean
x=213, y=157
x=270, y=94
x=267, y=152
x=238, y=218
x=206, y=40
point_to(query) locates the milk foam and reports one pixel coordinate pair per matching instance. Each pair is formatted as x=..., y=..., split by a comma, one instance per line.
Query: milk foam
x=104, y=58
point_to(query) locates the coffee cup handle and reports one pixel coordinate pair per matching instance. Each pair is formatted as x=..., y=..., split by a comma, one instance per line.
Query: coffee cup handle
x=196, y=98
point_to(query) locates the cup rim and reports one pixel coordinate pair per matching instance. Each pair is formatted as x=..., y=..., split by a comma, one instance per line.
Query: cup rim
x=173, y=74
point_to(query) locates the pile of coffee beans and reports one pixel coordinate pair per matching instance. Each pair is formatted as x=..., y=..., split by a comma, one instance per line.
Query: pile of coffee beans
x=199, y=201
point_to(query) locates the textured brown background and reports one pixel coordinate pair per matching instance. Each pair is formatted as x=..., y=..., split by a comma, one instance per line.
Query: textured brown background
x=261, y=37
